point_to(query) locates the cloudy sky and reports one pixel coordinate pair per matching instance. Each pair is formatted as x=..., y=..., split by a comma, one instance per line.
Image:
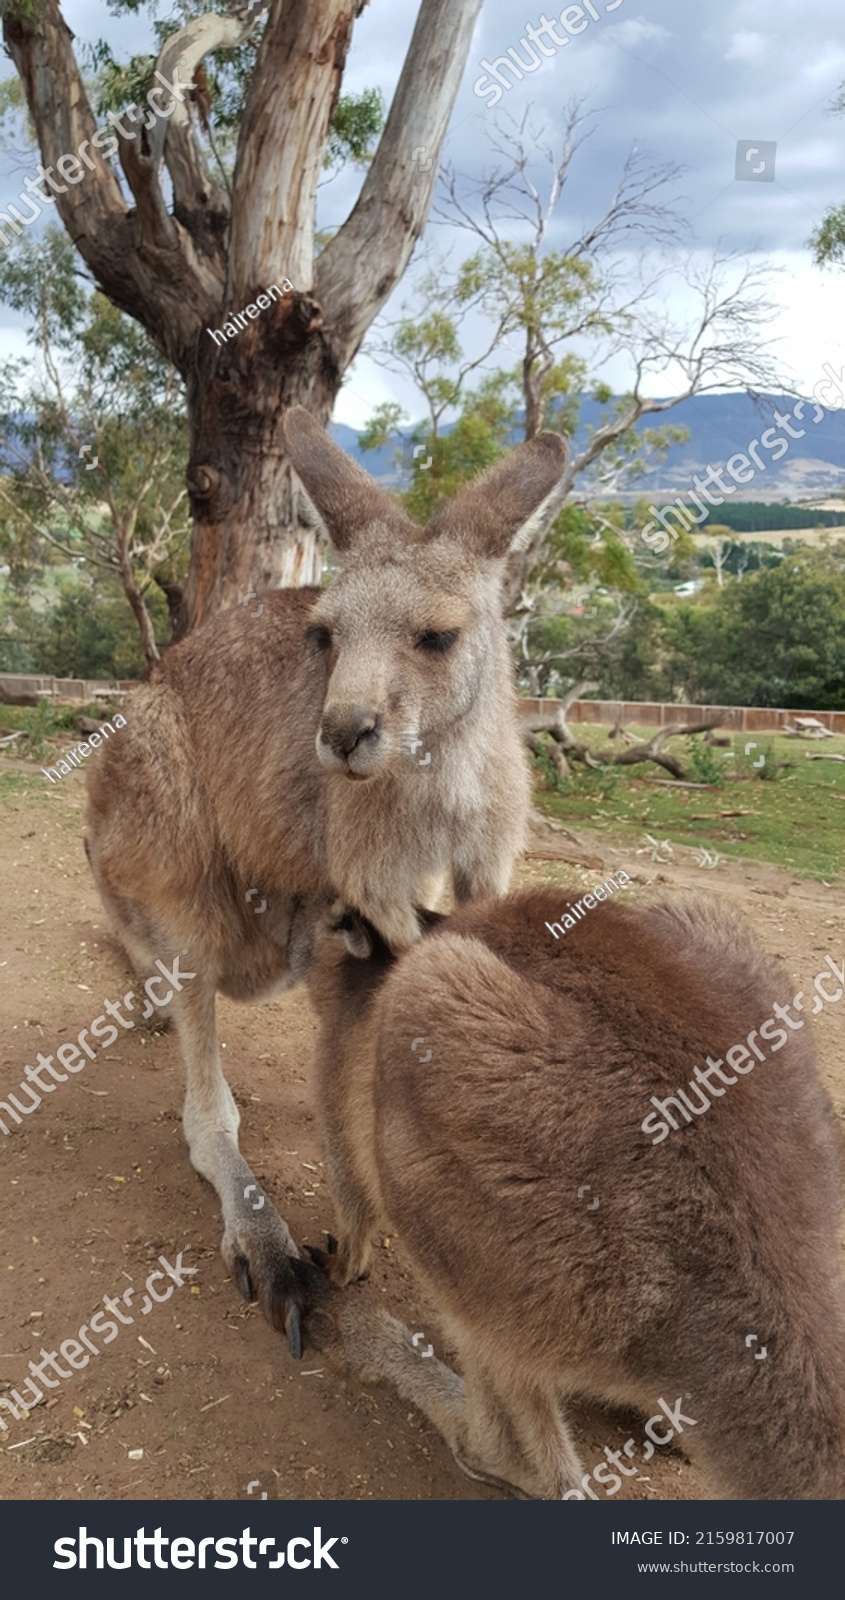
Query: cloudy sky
x=681, y=82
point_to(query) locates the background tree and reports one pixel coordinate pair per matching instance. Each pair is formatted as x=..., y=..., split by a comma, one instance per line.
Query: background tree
x=179, y=261
x=82, y=629
x=777, y=638
x=542, y=307
x=716, y=547
x=94, y=438
x=828, y=240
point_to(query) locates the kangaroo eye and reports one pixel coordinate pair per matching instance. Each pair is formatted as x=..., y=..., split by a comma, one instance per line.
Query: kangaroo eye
x=438, y=643
x=319, y=636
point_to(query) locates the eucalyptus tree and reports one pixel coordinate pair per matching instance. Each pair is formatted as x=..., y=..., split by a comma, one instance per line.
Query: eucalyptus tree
x=178, y=244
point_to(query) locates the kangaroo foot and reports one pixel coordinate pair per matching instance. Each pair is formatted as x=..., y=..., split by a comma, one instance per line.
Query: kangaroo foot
x=266, y=1266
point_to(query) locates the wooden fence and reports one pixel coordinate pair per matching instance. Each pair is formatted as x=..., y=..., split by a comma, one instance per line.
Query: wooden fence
x=653, y=714
x=20, y=688
x=24, y=689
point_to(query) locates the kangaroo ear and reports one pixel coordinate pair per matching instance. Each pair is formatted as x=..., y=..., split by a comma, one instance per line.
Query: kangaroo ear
x=345, y=495
x=488, y=514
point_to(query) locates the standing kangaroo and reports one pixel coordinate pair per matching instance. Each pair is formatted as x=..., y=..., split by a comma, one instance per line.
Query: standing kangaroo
x=353, y=741
x=474, y=1090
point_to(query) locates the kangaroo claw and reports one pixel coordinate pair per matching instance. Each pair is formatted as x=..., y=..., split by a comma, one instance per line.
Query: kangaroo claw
x=293, y=1328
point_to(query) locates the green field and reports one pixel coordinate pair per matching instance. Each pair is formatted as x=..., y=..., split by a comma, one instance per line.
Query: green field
x=796, y=819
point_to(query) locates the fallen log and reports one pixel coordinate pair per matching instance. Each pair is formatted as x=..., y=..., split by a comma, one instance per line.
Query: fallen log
x=667, y=783
x=556, y=726
x=716, y=816
x=554, y=753
x=574, y=858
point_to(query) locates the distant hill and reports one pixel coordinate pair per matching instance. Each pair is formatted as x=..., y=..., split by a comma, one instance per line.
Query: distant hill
x=721, y=426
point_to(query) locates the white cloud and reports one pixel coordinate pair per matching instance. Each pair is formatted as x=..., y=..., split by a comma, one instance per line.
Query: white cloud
x=746, y=46
x=636, y=31
x=825, y=68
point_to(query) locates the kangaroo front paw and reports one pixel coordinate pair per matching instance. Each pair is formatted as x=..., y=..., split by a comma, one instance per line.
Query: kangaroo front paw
x=344, y=1263
x=353, y=1259
x=350, y=926
x=399, y=926
x=480, y=1474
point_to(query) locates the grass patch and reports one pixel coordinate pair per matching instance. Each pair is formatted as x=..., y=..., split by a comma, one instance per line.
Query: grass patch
x=35, y=788
x=45, y=725
x=13, y=784
x=796, y=817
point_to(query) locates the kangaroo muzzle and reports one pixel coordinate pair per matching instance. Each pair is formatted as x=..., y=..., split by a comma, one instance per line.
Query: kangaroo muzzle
x=350, y=740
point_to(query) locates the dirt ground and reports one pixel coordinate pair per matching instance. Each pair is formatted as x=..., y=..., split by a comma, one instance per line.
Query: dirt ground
x=199, y=1399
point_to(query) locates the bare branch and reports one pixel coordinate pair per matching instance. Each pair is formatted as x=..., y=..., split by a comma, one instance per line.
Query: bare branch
x=376, y=241
x=178, y=61
x=157, y=225
x=636, y=207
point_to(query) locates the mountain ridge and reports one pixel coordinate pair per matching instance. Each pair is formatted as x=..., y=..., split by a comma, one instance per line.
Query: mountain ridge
x=721, y=426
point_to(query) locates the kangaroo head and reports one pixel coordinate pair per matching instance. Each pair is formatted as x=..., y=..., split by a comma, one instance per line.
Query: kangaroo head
x=412, y=625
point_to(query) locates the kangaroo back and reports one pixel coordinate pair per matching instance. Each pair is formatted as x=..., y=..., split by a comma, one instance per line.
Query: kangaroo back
x=568, y=1244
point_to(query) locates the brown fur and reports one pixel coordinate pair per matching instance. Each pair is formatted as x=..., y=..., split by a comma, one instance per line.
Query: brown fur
x=543, y=1059
x=279, y=755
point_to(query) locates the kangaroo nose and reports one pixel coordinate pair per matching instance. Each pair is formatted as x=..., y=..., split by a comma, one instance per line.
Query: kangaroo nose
x=345, y=728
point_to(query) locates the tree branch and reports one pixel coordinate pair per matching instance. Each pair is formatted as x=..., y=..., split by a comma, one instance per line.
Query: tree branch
x=374, y=245
x=170, y=291
x=286, y=119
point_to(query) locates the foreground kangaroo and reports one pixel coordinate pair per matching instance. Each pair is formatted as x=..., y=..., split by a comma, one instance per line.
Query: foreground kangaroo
x=357, y=741
x=474, y=1090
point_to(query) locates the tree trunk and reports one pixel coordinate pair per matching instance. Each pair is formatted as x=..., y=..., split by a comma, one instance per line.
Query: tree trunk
x=142, y=617
x=184, y=272
x=238, y=475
